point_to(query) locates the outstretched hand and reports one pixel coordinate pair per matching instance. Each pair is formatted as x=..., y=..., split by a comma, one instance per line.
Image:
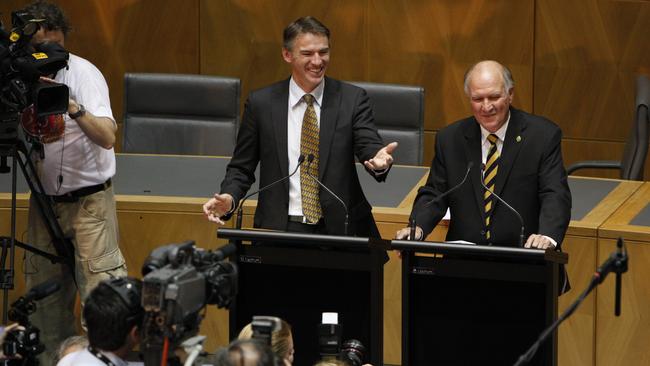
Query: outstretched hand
x=383, y=159
x=217, y=206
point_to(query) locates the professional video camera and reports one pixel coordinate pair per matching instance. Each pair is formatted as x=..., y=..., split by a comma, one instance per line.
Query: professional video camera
x=179, y=281
x=352, y=351
x=21, y=66
x=26, y=342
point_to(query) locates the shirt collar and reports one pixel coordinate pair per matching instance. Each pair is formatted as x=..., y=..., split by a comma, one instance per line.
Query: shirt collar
x=501, y=132
x=296, y=93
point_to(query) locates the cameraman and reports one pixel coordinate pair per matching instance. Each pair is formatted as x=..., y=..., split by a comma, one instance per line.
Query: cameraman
x=113, y=315
x=76, y=174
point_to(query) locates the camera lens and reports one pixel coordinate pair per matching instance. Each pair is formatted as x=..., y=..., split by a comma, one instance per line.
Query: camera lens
x=353, y=352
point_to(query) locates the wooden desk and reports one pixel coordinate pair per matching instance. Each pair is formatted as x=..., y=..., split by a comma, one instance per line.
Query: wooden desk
x=594, y=201
x=624, y=340
x=159, y=201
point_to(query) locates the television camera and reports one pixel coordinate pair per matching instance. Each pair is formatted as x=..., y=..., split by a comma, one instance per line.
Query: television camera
x=179, y=281
x=21, y=67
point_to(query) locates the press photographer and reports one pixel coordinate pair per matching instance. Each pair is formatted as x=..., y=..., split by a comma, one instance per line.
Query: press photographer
x=113, y=316
x=179, y=281
x=274, y=332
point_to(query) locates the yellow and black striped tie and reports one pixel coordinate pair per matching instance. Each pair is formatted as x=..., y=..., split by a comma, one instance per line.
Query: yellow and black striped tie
x=489, y=177
x=309, y=145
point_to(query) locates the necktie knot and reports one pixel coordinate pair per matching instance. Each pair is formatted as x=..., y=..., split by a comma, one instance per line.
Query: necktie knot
x=493, y=138
x=309, y=99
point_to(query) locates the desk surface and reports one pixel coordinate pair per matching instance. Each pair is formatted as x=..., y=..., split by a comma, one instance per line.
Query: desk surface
x=632, y=219
x=192, y=179
x=200, y=177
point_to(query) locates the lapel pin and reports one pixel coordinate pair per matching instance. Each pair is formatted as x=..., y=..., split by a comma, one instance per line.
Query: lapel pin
x=518, y=138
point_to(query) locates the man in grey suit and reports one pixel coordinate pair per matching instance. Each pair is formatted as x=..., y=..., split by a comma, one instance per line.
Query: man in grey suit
x=313, y=123
x=515, y=154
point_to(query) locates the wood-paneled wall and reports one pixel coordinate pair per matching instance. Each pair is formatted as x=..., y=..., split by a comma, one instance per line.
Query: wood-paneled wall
x=574, y=62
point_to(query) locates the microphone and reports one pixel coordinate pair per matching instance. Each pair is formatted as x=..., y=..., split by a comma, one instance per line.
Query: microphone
x=412, y=224
x=223, y=252
x=240, y=210
x=310, y=159
x=454, y=188
x=42, y=290
x=521, y=220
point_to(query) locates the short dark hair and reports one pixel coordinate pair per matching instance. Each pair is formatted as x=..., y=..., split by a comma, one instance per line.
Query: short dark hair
x=246, y=352
x=54, y=16
x=111, y=310
x=303, y=25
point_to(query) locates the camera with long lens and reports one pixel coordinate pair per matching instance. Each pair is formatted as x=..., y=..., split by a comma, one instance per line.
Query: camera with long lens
x=21, y=66
x=330, y=344
x=179, y=281
x=22, y=346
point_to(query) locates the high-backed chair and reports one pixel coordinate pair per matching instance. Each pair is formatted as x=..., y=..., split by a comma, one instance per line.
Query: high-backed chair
x=180, y=114
x=399, y=116
x=632, y=164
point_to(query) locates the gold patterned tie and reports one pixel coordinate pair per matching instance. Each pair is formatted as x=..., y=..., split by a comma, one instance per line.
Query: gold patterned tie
x=489, y=174
x=309, y=145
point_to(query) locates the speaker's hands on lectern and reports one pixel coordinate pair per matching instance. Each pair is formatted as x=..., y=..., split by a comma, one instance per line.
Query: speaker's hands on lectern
x=217, y=207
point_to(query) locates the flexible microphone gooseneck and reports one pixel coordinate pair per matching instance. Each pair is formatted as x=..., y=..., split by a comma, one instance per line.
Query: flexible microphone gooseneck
x=412, y=224
x=521, y=220
x=310, y=159
x=240, y=210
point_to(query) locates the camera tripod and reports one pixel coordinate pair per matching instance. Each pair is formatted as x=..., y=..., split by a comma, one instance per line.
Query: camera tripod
x=13, y=147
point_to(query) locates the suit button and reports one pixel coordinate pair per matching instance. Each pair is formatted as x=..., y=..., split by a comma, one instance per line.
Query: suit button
x=482, y=232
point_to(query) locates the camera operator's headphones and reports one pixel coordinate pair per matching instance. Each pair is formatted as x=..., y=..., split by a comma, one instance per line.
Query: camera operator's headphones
x=129, y=290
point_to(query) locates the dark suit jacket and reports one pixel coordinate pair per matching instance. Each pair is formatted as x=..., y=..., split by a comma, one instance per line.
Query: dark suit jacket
x=531, y=178
x=346, y=130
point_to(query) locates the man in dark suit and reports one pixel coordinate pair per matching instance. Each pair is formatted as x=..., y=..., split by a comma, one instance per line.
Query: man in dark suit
x=311, y=120
x=517, y=155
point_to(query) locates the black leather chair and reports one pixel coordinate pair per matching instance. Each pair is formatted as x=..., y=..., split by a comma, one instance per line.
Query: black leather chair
x=399, y=116
x=636, y=148
x=180, y=114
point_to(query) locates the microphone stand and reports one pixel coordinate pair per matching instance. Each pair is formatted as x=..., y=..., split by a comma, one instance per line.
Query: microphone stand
x=240, y=209
x=412, y=224
x=310, y=158
x=521, y=220
x=617, y=263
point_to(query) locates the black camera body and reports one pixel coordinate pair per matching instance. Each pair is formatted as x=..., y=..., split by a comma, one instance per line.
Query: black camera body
x=179, y=281
x=330, y=344
x=21, y=66
x=21, y=343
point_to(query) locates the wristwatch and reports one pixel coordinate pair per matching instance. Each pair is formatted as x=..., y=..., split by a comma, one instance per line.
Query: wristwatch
x=78, y=113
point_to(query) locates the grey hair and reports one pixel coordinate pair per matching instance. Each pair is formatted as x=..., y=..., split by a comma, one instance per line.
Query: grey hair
x=506, y=76
x=69, y=345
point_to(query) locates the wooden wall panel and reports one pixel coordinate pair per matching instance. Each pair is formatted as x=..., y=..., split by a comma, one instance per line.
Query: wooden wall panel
x=432, y=43
x=244, y=38
x=121, y=36
x=587, y=55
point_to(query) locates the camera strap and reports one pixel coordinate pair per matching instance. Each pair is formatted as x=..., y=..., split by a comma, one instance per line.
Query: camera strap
x=102, y=357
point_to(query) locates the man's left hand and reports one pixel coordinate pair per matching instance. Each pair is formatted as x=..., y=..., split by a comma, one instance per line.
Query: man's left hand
x=537, y=241
x=383, y=159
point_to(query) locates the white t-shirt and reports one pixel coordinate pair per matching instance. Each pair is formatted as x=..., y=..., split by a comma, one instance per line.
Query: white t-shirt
x=75, y=157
